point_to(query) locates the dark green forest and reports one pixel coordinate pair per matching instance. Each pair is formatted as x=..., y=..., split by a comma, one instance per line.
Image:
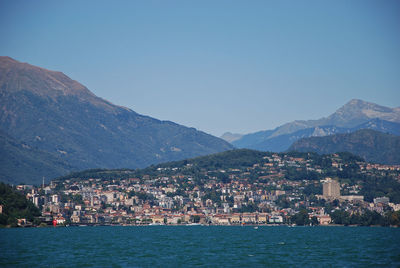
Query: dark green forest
x=15, y=206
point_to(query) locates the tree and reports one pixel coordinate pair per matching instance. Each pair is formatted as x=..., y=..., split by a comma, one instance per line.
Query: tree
x=340, y=217
x=195, y=218
x=314, y=221
x=393, y=218
x=15, y=206
x=301, y=218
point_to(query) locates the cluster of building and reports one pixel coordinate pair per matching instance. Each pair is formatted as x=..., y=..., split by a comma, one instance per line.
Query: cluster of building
x=261, y=194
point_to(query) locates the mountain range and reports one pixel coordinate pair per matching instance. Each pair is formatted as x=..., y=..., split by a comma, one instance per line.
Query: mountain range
x=51, y=124
x=373, y=146
x=354, y=115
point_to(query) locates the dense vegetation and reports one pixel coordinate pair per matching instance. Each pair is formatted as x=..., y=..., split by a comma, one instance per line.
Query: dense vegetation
x=15, y=206
x=21, y=163
x=373, y=146
x=238, y=159
x=367, y=218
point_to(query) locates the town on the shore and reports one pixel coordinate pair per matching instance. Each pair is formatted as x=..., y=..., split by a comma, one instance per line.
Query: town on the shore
x=276, y=189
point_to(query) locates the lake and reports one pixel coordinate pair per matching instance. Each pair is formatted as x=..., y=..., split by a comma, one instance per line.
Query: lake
x=215, y=246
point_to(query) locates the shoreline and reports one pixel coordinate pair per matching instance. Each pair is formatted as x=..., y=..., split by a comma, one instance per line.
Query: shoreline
x=192, y=225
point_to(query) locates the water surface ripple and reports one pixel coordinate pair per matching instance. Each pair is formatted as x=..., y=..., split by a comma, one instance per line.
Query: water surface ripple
x=210, y=246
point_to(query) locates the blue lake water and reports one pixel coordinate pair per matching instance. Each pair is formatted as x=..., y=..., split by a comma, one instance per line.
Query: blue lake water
x=211, y=246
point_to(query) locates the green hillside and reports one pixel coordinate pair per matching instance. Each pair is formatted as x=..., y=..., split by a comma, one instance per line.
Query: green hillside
x=21, y=163
x=15, y=206
x=371, y=145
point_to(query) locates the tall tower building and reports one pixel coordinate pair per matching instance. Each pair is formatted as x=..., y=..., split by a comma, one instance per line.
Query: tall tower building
x=331, y=189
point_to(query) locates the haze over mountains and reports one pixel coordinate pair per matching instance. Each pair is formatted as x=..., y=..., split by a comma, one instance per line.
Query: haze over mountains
x=51, y=125
x=372, y=145
x=46, y=113
x=354, y=115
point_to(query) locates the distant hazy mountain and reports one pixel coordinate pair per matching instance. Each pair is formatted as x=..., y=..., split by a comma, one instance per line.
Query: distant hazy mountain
x=357, y=112
x=49, y=111
x=372, y=145
x=230, y=137
x=282, y=142
x=354, y=115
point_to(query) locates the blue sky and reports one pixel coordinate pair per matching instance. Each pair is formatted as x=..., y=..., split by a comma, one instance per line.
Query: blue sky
x=238, y=66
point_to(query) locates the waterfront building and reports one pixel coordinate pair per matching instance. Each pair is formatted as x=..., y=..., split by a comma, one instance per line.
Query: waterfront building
x=276, y=219
x=324, y=219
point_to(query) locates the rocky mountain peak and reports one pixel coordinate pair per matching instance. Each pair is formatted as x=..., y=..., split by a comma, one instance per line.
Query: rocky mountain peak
x=358, y=111
x=353, y=115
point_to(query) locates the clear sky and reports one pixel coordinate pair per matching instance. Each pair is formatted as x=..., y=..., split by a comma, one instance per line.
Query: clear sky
x=238, y=66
